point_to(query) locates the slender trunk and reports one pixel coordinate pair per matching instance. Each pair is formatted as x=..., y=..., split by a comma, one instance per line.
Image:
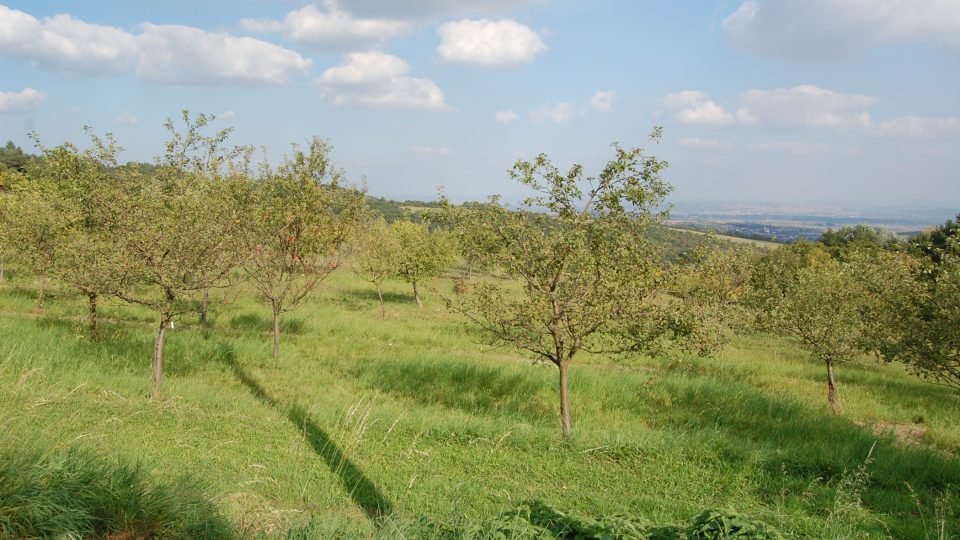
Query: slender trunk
x=833, y=395
x=565, y=400
x=383, y=308
x=276, y=329
x=204, y=305
x=416, y=294
x=40, y=294
x=158, y=354
x=2, y=267
x=92, y=320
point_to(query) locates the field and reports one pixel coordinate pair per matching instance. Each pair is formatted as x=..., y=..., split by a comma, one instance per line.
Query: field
x=364, y=427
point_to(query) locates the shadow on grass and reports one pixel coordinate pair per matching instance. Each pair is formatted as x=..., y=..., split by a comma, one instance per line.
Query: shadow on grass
x=361, y=489
x=256, y=323
x=370, y=295
x=470, y=388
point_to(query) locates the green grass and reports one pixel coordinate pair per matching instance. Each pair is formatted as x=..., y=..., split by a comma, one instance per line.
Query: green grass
x=366, y=427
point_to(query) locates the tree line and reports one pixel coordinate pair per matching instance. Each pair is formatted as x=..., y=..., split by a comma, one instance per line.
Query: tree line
x=570, y=271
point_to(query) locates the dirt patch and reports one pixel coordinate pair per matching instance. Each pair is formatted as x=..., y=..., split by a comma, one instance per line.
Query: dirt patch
x=907, y=433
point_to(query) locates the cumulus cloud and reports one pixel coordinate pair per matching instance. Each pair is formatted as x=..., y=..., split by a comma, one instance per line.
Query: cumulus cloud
x=165, y=54
x=378, y=80
x=505, y=117
x=918, y=126
x=182, y=55
x=702, y=144
x=330, y=27
x=431, y=150
x=128, y=119
x=790, y=147
x=25, y=100
x=603, y=100
x=804, y=105
x=695, y=107
x=557, y=113
x=227, y=116
x=490, y=44
x=64, y=43
x=431, y=9
x=834, y=29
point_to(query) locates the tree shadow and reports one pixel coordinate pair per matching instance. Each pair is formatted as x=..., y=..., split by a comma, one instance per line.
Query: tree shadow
x=361, y=489
x=467, y=387
x=370, y=295
x=256, y=323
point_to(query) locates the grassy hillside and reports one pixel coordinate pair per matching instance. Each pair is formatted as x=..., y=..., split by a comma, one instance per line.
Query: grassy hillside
x=363, y=426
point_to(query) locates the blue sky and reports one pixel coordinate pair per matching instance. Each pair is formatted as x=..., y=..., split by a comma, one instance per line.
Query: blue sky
x=830, y=102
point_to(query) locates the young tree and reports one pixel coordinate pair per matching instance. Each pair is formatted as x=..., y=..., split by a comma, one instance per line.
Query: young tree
x=304, y=214
x=713, y=280
x=424, y=253
x=377, y=256
x=80, y=190
x=914, y=314
x=804, y=292
x=181, y=231
x=585, y=277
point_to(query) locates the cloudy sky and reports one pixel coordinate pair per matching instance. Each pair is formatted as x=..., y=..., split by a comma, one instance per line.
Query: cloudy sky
x=845, y=102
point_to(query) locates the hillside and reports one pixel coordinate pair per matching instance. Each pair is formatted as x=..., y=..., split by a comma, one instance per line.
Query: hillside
x=410, y=417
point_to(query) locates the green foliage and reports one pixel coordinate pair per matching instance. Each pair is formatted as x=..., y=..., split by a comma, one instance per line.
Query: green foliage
x=14, y=159
x=424, y=252
x=590, y=279
x=74, y=494
x=377, y=254
x=859, y=237
x=934, y=244
x=301, y=215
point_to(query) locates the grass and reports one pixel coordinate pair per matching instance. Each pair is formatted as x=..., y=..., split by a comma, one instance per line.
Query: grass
x=367, y=427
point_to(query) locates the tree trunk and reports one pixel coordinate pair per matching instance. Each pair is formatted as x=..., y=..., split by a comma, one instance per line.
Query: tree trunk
x=158, y=355
x=40, y=294
x=833, y=395
x=383, y=307
x=204, y=305
x=2, y=267
x=92, y=320
x=276, y=330
x=416, y=294
x=565, y=400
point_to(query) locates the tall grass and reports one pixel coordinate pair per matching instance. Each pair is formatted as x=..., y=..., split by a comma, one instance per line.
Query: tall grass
x=366, y=427
x=74, y=494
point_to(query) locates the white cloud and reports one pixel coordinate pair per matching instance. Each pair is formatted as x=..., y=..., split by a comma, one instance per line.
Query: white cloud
x=25, y=100
x=128, y=119
x=490, y=44
x=431, y=9
x=557, y=113
x=64, y=43
x=833, y=29
x=431, y=150
x=603, y=100
x=702, y=144
x=918, y=126
x=790, y=147
x=227, y=116
x=804, y=105
x=165, y=54
x=505, y=117
x=695, y=107
x=378, y=80
x=329, y=27
x=181, y=55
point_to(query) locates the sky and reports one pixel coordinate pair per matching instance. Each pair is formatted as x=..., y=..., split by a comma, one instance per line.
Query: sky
x=829, y=102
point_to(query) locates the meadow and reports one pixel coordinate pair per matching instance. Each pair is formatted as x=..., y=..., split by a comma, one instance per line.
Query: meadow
x=369, y=427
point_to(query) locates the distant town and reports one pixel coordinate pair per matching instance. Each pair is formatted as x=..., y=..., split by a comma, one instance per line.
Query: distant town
x=790, y=224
